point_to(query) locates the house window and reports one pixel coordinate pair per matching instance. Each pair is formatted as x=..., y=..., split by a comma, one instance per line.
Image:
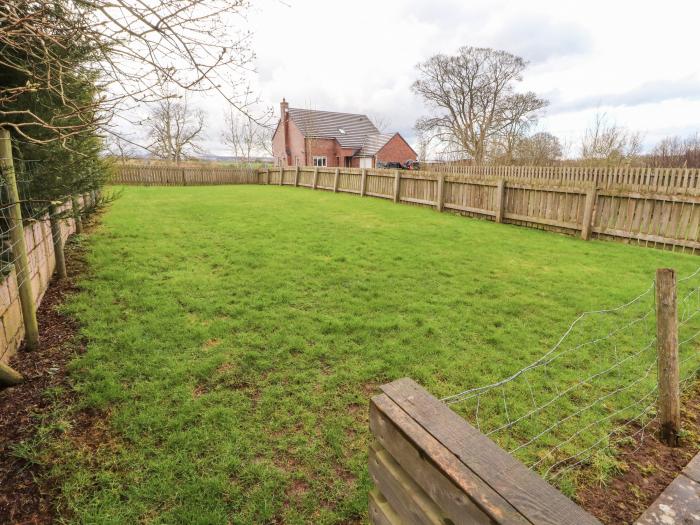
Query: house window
x=320, y=161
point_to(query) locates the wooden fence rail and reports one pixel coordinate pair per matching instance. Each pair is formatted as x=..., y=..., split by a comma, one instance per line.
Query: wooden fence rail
x=429, y=466
x=659, y=218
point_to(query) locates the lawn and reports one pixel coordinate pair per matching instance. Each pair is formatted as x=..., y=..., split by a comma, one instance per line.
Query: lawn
x=235, y=335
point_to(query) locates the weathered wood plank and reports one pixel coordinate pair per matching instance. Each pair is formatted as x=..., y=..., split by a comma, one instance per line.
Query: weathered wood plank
x=540, y=220
x=647, y=237
x=436, y=470
x=418, y=201
x=529, y=494
x=458, y=207
x=404, y=495
x=380, y=513
x=692, y=469
x=678, y=504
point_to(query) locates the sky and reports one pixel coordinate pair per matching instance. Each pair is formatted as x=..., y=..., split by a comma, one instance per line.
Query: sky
x=636, y=61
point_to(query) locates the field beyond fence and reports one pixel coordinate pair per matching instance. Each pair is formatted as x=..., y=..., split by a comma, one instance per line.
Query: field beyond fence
x=647, y=206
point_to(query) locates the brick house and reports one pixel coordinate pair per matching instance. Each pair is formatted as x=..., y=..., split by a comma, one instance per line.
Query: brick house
x=324, y=138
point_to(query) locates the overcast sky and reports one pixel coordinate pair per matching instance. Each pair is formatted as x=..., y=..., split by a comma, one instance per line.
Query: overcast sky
x=635, y=60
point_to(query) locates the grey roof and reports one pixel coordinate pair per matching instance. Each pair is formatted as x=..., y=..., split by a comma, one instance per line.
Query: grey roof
x=348, y=129
x=375, y=142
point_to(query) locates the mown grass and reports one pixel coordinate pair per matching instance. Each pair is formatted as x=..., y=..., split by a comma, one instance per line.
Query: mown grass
x=236, y=334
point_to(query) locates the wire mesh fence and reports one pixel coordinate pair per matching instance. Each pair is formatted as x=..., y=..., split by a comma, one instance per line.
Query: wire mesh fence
x=32, y=231
x=594, y=389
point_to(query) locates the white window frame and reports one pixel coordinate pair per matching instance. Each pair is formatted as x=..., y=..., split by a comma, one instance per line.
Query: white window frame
x=320, y=161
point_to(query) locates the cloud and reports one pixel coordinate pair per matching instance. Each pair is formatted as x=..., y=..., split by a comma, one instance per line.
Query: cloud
x=538, y=38
x=646, y=93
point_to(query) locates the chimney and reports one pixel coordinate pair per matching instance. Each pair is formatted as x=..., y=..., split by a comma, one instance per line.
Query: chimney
x=284, y=116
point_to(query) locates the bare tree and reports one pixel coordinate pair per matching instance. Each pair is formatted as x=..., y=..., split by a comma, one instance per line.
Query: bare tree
x=381, y=122
x=519, y=120
x=539, y=149
x=245, y=136
x=473, y=100
x=119, y=148
x=677, y=152
x=174, y=128
x=605, y=142
x=423, y=141
x=132, y=46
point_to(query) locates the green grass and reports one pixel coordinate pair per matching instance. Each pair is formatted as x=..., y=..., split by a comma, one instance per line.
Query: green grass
x=236, y=334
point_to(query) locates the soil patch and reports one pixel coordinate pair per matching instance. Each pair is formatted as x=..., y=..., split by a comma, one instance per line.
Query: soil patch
x=23, y=498
x=651, y=466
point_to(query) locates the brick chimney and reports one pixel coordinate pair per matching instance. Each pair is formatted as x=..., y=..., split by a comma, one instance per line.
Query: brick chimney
x=284, y=116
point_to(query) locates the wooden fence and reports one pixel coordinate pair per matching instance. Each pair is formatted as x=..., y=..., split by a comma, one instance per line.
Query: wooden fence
x=677, y=180
x=659, y=218
x=163, y=175
x=429, y=466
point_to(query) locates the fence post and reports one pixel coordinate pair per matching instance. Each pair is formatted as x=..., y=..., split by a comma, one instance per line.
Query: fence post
x=440, y=192
x=57, y=242
x=9, y=376
x=363, y=182
x=19, y=248
x=587, y=225
x=76, y=214
x=296, y=176
x=313, y=186
x=667, y=348
x=397, y=186
x=500, y=200
x=281, y=175
x=267, y=176
x=335, y=180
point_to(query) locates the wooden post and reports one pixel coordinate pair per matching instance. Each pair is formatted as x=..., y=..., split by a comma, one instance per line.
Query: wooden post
x=440, y=192
x=500, y=200
x=335, y=180
x=313, y=186
x=57, y=242
x=281, y=175
x=667, y=348
x=9, y=376
x=397, y=186
x=587, y=225
x=267, y=176
x=184, y=177
x=296, y=176
x=363, y=182
x=19, y=248
x=76, y=214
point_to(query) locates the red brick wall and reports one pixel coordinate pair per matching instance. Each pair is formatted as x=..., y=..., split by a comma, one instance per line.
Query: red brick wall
x=296, y=145
x=278, y=146
x=322, y=148
x=396, y=150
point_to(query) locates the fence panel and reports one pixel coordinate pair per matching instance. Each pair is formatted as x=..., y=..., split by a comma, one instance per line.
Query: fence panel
x=325, y=179
x=173, y=175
